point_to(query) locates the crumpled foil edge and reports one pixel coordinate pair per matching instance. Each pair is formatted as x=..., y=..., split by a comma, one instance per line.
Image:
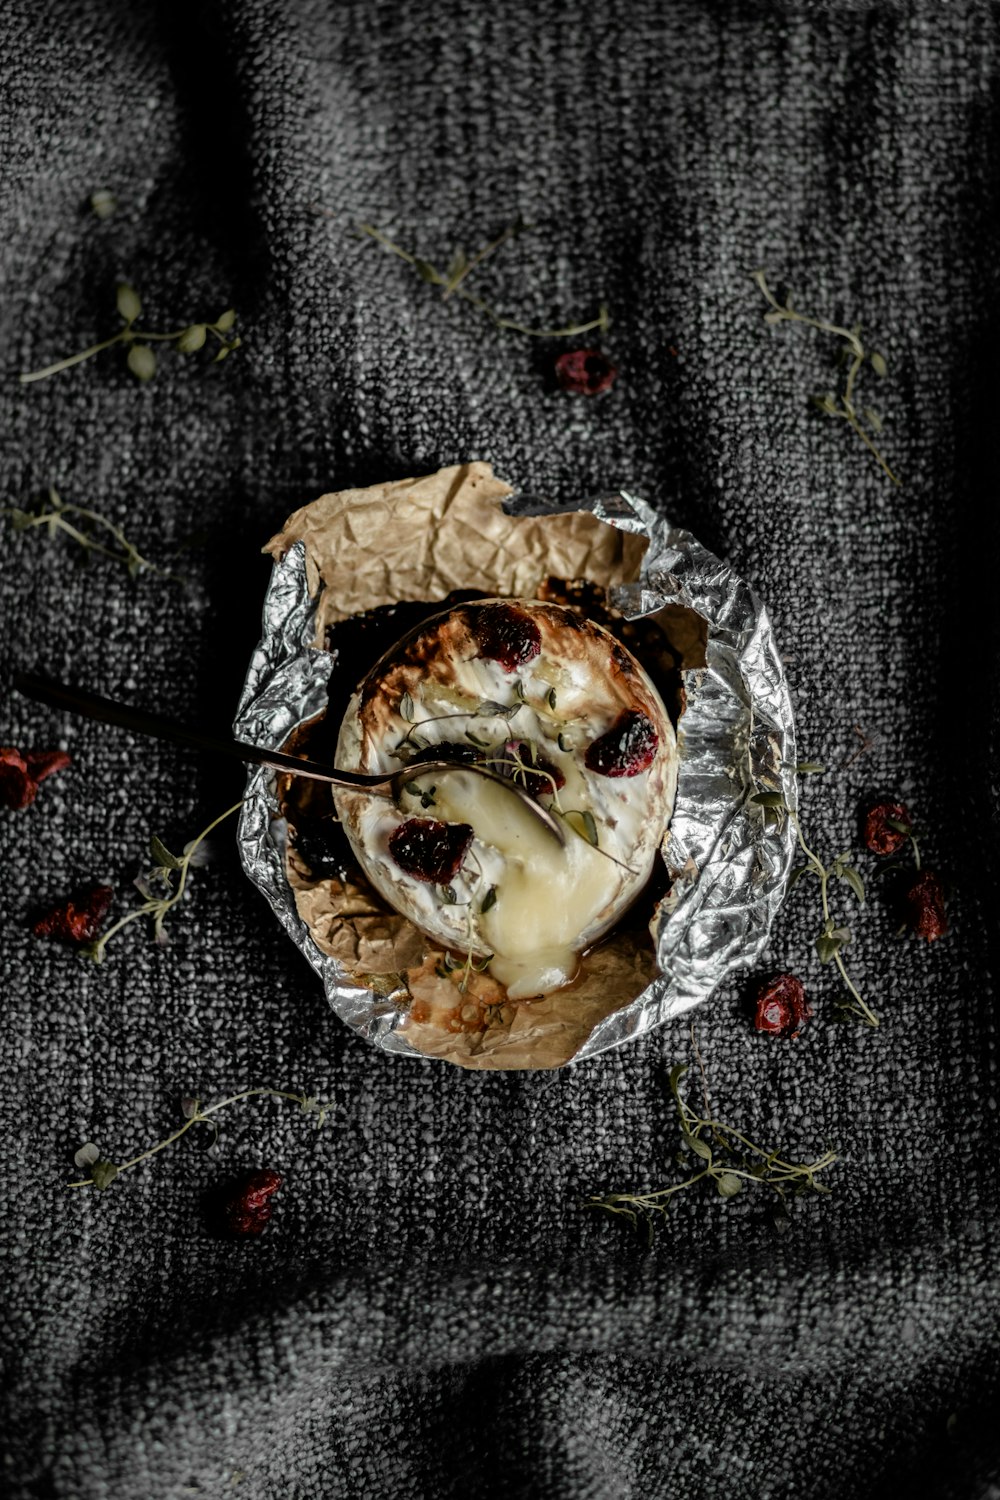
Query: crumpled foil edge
x=730, y=859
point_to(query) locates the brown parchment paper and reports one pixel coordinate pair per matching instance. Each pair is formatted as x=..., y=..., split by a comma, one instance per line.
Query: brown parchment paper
x=418, y=540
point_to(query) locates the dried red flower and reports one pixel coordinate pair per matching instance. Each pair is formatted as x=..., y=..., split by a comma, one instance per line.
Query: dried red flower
x=924, y=903
x=880, y=836
x=22, y=772
x=79, y=919
x=585, y=372
x=246, y=1209
x=781, y=1006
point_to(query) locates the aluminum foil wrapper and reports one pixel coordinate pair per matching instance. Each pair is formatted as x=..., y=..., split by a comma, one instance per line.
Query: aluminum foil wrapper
x=728, y=856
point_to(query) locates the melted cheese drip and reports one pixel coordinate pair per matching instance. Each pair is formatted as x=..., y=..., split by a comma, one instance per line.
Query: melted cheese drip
x=546, y=894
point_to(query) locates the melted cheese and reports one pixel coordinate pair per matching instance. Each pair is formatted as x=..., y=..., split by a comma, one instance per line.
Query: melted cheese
x=546, y=895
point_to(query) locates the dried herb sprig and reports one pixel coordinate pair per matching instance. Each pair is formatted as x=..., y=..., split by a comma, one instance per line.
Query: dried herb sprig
x=838, y=403
x=55, y=517
x=721, y=1154
x=157, y=886
x=141, y=360
x=452, y=283
x=103, y=1172
x=833, y=937
x=487, y=709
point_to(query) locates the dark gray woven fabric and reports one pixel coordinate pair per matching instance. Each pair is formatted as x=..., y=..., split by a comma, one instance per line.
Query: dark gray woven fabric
x=430, y=1313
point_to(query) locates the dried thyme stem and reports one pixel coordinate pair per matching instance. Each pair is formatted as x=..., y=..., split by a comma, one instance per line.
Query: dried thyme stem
x=157, y=909
x=453, y=285
x=834, y=405
x=200, y=1116
x=823, y=874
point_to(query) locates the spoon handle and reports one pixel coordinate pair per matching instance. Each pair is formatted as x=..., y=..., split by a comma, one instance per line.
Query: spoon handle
x=159, y=727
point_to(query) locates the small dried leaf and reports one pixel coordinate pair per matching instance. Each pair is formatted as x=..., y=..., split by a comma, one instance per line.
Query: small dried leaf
x=489, y=900
x=162, y=855
x=582, y=822
x=189, y=1108
x=873, y=418
x=103, y=203
x=406, y=708
x=127, y=301
x=695, y=1144
x=827, y=948
x=853, y=879
x=768, y=799
x=201, y=852
x=449, y=895
x=457, y=265
x=142, y=361
x=103, y=1174
x=426, y=271
x=191, y=339
x=810, y=768
x=879, y=365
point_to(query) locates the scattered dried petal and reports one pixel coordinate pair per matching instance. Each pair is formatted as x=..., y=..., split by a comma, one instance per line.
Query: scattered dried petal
x=43, y=763
x=259, y=1186
x=880, y=836
x=781, y=1007
x=17, y=786
x=80, y=918
x=21, y=773
x=924, y=902
x=246, y=1209
x=585, y=372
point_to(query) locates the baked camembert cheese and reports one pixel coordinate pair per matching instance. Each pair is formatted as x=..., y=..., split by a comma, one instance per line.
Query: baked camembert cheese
x=542, y=697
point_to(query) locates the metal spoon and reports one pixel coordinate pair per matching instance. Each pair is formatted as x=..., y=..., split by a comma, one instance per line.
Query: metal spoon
x=107, y=711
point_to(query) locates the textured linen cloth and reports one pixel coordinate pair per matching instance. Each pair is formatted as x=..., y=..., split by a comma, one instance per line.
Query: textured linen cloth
x=431, y=1312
